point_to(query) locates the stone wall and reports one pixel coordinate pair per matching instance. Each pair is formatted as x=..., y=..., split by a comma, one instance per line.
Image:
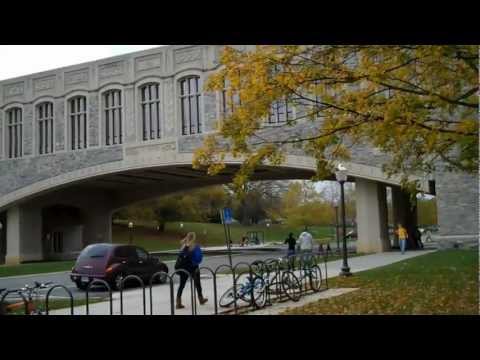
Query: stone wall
x=18, y=173
x=457, y=205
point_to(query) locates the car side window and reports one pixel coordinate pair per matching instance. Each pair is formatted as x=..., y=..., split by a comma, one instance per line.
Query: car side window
x=142, y=255
x=132, y=254
x=122, y=252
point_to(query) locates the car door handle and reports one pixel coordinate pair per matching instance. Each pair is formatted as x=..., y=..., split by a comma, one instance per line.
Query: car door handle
x=140, y=261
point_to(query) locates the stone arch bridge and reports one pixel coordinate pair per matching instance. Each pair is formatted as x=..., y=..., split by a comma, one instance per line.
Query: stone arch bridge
x=78, y=143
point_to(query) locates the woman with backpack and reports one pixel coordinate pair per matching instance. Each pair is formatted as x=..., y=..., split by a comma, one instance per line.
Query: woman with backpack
x=189, y=259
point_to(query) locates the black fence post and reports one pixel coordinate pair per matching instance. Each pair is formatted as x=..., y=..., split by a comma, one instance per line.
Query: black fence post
x=140, y=281
x=155, y=275
x=87, y=291
x=47, y=296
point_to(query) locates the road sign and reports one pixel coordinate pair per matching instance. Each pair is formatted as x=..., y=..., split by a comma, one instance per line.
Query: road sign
x=227, y=216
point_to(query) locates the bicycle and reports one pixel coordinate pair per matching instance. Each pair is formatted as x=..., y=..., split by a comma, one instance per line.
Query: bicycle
x=244, y=292
x=29, y=295
x=311, y=271
x=279, y=277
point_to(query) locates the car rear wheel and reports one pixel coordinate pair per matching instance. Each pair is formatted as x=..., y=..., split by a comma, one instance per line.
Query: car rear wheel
x=117, y=281
x=159, y=278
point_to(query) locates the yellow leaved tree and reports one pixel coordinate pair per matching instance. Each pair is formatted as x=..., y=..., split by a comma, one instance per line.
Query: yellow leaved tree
x=418, y=104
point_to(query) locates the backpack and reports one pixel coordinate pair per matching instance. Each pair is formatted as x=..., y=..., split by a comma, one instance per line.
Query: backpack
x=184, y=260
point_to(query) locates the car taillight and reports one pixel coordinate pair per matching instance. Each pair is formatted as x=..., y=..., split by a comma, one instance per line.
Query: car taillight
x=110, y=268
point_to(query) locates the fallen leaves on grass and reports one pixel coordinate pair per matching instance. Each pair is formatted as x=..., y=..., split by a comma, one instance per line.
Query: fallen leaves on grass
x=430, y=284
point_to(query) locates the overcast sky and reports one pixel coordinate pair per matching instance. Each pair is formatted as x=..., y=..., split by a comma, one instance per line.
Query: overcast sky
x=19, y=60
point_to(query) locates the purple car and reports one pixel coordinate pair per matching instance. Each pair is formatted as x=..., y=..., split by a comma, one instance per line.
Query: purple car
x=112, y=262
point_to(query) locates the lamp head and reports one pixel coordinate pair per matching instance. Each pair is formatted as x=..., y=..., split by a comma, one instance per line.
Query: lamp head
x=341, y=173
x=130, y=225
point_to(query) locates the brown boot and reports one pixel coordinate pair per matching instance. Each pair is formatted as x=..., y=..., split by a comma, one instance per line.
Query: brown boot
x=202, y=300
x=179, y=304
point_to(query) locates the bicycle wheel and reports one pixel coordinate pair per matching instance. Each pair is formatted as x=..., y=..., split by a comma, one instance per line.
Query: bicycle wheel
x=259, y=292
x=315, y=278
x=228, y=297
x=291, y=286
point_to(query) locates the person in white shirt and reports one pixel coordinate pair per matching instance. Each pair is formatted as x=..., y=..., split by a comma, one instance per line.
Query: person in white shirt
x=305, y=244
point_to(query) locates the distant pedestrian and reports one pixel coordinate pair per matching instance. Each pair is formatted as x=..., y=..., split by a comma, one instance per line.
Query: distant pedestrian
x=417, y=236
x=402, y=237
x=291, y=241
x=305, y=241
x=244, y=240
x=189, y=259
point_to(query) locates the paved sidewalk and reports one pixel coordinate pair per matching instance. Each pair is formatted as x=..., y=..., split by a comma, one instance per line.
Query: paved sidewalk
x=133, y=299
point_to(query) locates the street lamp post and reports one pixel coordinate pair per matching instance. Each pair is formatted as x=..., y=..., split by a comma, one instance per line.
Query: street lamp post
x=341, y=175
x=268, y=227
x=1, y=240
x=130, y=227
x=337, y=236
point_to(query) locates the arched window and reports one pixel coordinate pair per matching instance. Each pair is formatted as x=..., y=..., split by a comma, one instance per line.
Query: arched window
x=14, y=132
x=44, y=115
x=112, y=110
x=190, y=105
x=150, y=104
x=77, y=113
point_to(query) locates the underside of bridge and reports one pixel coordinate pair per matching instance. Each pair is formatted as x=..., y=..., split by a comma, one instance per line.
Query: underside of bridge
x=58, y=223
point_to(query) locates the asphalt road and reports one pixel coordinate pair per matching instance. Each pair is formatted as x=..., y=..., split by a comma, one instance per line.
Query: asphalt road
x=64, y=279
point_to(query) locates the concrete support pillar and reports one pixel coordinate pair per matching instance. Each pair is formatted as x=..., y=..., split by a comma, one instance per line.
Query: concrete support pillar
x=24, y=235
x=12, y=256
x=372, y=224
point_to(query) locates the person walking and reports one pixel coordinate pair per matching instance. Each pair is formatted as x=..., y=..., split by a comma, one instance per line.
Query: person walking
x=291, y=241
x=417, y=236
x=189, y=259
x=402, y=237
x=305, y=241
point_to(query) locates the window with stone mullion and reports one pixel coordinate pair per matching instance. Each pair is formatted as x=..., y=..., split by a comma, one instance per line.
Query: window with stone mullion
x=45, y=128
x=150, y=102
x=78, y=123
x=113, y=117
x=280, y=112
x=234, y=101
x=14, y=133
x=190, y=105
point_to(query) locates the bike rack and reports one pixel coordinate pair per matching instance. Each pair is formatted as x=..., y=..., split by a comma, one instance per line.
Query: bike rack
x=234, y=282
x=214, y=277
x=87, y=290
x=263, y=269
x=140, y=281
x=47, y=296
x=236, y=279
x=25, y=301
x=159, y=273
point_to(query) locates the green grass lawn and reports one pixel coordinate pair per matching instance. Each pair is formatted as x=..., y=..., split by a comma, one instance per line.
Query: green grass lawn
x=146, y=236
x=35, y=268
x=443, y=283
